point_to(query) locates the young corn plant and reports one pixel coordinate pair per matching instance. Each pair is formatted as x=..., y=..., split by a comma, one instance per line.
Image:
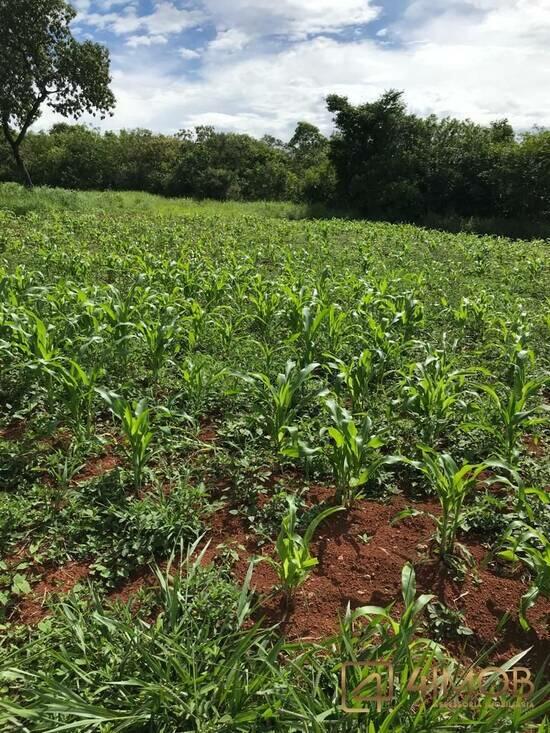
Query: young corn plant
x=159, y=337
x=354, y=452
x=432, y=395
x=199, y=376
x=78, y=392
x=294, y=560
x=452, y=484
x=524, y=544
x=397, y=635
x=119, y=314
x=357, y=377
x=513, y=412
x=136, y=428
x=279, y=401
x=308, y=331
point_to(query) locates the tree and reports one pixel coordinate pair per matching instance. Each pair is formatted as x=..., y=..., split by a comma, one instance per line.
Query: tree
x=378, y=153
x=308, y=145
x=41, y=63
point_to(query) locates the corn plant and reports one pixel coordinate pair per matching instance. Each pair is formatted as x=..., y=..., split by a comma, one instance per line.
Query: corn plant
x=118, y=310
x=354, y=452
x=396, y=635
x=194, y=325
x=159, y=337
x=199, y=378
x=136, y=428
x=78, y=392
x=357, y=377
x=279, y=401
x=472, y=315
x=524, y=544
x=307, y=331
x=294, y=560
x=452, y=484
x=62, y=467
x=432, y=395
x=264, y=305
x=513, y=414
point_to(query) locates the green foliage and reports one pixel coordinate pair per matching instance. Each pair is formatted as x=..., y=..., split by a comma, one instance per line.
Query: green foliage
x=513, y=408
x=383, y=162
x=432, y=393
x=171, y=309
x=294, y=560
x=451, y=483
x=354, y=452
x=136, y=428
x=280, y=401
x=42, y=63
x=527, y=545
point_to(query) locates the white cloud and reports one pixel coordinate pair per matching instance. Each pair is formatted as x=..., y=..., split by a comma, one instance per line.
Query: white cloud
x=188, y=53
x=135, y=41
x=291, y=17
x=165, y=18
x=229, y=41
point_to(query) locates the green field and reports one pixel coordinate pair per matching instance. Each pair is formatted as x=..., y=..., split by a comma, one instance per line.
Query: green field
x=182, y=395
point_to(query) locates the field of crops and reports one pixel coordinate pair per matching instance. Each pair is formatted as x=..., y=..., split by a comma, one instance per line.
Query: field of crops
x=237, y=452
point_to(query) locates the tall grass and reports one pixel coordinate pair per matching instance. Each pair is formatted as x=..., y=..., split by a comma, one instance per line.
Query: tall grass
x=43, y=200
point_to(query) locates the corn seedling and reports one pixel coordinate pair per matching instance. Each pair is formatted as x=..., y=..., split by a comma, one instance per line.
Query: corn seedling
x=136, y=428
x=159, y=337
x=526, y=545
x=294, y=560
x=513, y=414
x=279, y=401
x=354, y=452
x=358, y=376
x=432, y=394
x=397, y=634
x=199, y=378
x=452, y=484
x=78, y=392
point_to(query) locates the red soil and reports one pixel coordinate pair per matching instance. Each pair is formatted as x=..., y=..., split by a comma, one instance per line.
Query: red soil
x=208, y=433
x=97, y=466
x=31, y=609
x=534, y=447
x=143, y=578
x=369, y=573
x=14, y=431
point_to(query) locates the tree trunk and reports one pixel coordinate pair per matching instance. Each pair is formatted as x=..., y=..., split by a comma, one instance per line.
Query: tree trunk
x=27, y=180
x=14, y=144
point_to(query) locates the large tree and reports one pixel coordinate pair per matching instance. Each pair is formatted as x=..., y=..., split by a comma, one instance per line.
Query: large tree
x=41, y=63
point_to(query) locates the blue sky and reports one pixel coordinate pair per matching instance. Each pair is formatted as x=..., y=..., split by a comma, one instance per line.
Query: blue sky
x=259, y=66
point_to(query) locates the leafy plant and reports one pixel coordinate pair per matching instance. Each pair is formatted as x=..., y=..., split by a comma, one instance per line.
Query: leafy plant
x=159, y=336
x=397, y=634
x=446, y=623
x=136, y=427
x=530, y=547
x=451, y=483
x=432, y=395
x=512, y=412
x=78, y=391
x=354, y=452
x=279, y=401
x=294, y=560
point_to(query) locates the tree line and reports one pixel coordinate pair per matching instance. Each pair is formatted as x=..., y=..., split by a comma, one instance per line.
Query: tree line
x=381, y=161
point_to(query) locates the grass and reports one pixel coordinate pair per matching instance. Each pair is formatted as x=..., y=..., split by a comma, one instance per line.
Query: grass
x=44, y=200
x=172, y=381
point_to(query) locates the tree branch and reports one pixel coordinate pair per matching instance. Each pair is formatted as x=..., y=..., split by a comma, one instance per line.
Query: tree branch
x=29, y=119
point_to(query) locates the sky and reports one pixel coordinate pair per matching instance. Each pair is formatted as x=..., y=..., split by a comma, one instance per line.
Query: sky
x=260, y=66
